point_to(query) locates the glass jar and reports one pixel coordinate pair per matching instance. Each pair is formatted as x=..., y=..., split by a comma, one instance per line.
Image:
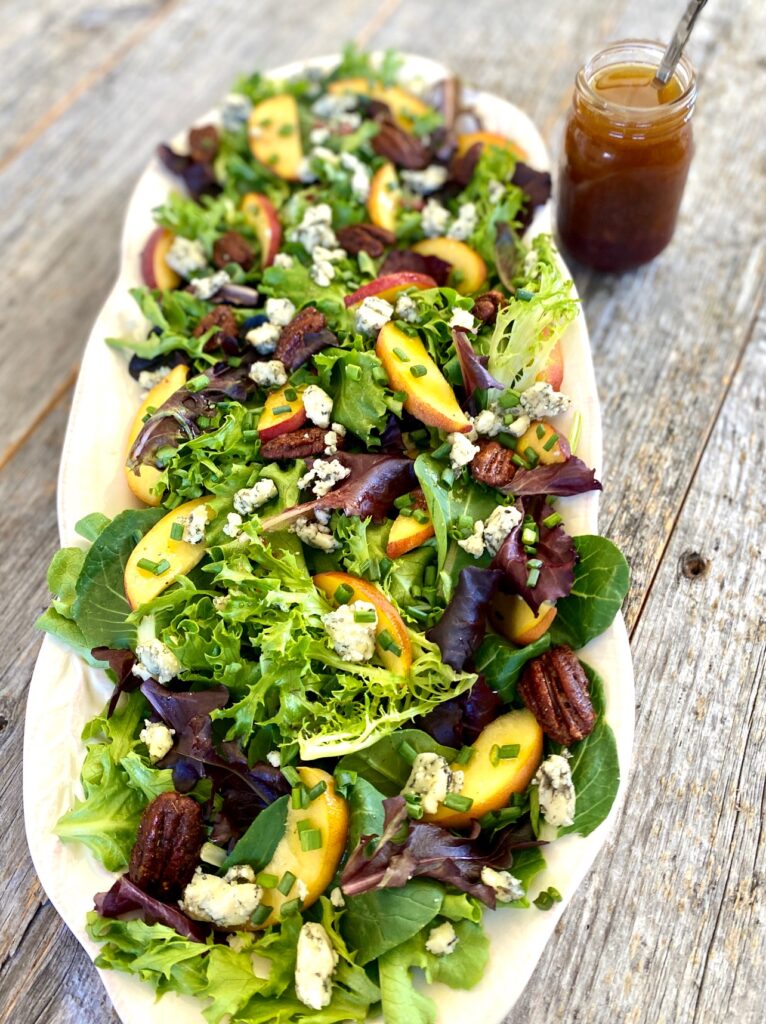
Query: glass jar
x=627, y=151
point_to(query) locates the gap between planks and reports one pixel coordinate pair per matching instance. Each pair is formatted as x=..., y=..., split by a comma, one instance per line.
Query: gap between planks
x=61, y=391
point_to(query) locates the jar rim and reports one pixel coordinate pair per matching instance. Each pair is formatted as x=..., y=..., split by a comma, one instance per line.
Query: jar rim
x=651, y=51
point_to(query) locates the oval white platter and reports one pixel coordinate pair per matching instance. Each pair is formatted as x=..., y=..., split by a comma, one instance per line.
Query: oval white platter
x=65, y=693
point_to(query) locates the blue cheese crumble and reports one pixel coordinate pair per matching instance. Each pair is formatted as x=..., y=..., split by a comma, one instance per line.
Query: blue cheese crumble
x=270, y=374
x=353, y=641
x=206, y=287
x=248, y=499
x=442, y=940
x=194, y=524
x=158, y=738
x=463, y=319
x=406, y=309
x=315, y=964
x=280, y=311
x=431, y=779
x=318, y=405
x=556, y=792
x=227, y=902
x=372, y=314
x=156, y=661
x=316, y=534
x=540, y=401
x=186, y=256
x=462, y=451
x=507, y=887
x=323, y=476
x=424, y=182
x=264, y=338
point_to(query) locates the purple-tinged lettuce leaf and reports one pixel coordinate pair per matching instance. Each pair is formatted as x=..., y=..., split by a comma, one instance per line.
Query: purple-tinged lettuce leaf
x=121, y=663
x=126, y=898
x=301, y=350
x=461, y=628
x=560, y=478
x=555, y=549
x=473, y=367
x=458, y=722
x=536, y=185
x=506, y=252
x=178, y=708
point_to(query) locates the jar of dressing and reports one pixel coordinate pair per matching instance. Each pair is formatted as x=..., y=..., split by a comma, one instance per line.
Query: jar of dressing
x=627, y=151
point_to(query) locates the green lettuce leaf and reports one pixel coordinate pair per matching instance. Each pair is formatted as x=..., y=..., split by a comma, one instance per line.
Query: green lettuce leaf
x=358, y=384
x=383, y=766
x=257, y=845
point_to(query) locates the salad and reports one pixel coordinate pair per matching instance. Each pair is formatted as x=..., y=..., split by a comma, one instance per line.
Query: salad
x=348, y=714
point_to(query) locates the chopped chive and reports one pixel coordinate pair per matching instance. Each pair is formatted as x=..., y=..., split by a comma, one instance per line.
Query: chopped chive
x=311, y=839
x=177, y=531
x=161, y=567
x=285, y=129
x=404, y=501
x=442, y=450
x=546, y=899
x=197, y=383
x=531, y=455
x=291, y=775
x=518, y=461
x=419, y=435
x=290, y=907
x=552, y=520
x=530, y=549
x=420, y=516
x=465, y=754
x=344, y=593
x=508, y=400
x=533, y=577
x=279, y=409
x=291, y=394
x=235, y=361
x=266, y=880
x=534, y=563
x=317, y=790
x=508, y=751
x=419, y=614
x=400, y=396
x=407, y=751
x=147, y=565
x=540, y=431
x=286, y=883
x=401, y=354
x=414, y=809
x=300, y=798
x=344, y=779
x=354, y=372
x=384, y=565
x=494, y=755
x=406, y=512
x=550, y=442
x=529, y=535
x=260, y=914
x=507, y=441
x=524, y=295
x=465, y=522
x=429, y=575
x=448, y=476
x=388, y=643
x=212, y=854
x=362, y=615
x=249, y=435
x=418, y=370
x=456, y=802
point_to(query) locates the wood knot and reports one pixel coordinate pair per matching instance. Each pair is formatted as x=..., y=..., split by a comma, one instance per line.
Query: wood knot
x=693, y=565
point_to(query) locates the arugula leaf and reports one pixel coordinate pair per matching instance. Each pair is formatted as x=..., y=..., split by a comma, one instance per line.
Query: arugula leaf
x=501, y=663
x=384, y=767
x=384, y=918
x=601, y=582
x=257, y=845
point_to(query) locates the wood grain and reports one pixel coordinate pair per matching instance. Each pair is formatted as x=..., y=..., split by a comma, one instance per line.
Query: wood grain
x=670, y=925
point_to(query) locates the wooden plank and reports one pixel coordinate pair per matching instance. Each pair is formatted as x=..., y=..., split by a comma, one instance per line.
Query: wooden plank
x=671, y=924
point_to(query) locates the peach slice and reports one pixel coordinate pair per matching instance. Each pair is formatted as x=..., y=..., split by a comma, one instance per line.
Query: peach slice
x=553, y=371
x=403, y=105
x=328, y=813
x=291, y=417
x=156, y=546
x=275, y=137
x=469, y=271
x=512, y=616
x=389, y=285
x=407, y=533
x=490, y=779
x=259, y=211
x=537, y=437
x=389, y=619
x=385, y=197
x=142, y=480
x=154, y=269
x=429, y=396
x=469, y=139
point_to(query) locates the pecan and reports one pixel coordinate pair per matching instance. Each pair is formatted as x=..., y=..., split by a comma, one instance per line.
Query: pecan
x=297, y=342
x=485, y=306
x=493, y=465
x=232, y=248
x=167, y=848
x=367, y=238
x=555, y=689
x=401, y=148
x=297, y=444
x=226, y=335
x=203, y=144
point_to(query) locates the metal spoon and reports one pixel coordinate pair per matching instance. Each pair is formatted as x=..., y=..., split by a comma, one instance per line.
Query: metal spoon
x=675, y=48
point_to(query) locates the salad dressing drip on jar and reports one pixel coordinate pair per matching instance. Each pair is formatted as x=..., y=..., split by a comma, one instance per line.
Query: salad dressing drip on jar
x=627, y=151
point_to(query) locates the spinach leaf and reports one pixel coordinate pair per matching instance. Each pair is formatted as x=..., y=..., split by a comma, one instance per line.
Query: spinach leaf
x=446, y=505
x=101, y=608
x=257, y=845
x=501, y=663
x=600, y=585
x=384, y=767
x=380, y=920
x=365, y=813
x=595, y=767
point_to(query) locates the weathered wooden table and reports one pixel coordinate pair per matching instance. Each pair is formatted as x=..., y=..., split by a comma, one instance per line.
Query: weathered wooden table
x=670, y=926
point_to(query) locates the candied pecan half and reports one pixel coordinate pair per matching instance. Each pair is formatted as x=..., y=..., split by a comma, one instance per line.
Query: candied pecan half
x=226, y=335
x=167, y=848
x=485, y=306
x=204, y=143
x=297, y=444
x=232, y=248
x=401, y=148
x=302, y=337
x=556, y=691
x=493, y=464
x=367, y=238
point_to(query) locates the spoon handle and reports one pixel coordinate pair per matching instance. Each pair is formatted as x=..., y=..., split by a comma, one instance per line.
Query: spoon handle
x=680, y=38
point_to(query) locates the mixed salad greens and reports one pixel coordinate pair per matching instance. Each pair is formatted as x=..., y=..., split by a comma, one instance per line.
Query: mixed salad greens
x=347, y=715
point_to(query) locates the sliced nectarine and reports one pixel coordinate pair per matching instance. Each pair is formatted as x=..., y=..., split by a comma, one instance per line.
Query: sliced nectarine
x=389, y=286
x=281, y=414
x=410, y=369
x=389, y=619
x=403, y=105
x=545, y=442
x=154, y=268
x=264, y=220
x=385, y=197
x=553, y=371
x=141, y=481
x=490, y=778
x=469, y=271
x=275, y=136
x=156, y=547
x=469, y=139
x=328, y=814
x=409, y=531
x=513, y=618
